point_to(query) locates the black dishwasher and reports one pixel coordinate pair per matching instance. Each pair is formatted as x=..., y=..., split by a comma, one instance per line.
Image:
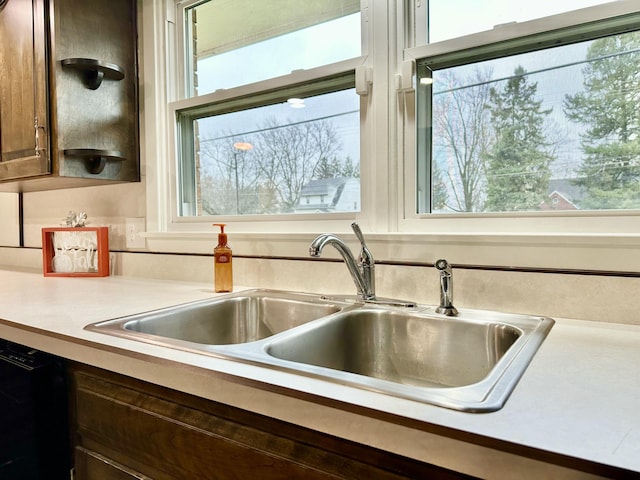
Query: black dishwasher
x=34, y=438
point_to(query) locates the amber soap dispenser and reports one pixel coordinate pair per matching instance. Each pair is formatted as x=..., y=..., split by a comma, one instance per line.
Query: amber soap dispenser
x=222, y=267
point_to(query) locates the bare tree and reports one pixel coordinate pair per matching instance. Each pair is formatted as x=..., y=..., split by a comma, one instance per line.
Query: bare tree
x=229, y=178
x=263, y=172
x=461, y=137
x=288, y=153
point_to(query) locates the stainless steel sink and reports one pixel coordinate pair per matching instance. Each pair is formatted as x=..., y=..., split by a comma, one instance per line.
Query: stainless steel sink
x=232, y=319
x=470, y=362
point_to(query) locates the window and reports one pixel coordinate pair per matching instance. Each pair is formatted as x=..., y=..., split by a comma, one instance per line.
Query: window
x=261, y=147
x=510, y=133
x=223, y=106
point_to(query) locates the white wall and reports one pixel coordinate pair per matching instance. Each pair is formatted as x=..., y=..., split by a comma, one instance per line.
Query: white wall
x=107, y=205
x=9, y=224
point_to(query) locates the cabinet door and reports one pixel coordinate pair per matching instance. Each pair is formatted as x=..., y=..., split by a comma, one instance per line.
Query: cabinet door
x=23, y=90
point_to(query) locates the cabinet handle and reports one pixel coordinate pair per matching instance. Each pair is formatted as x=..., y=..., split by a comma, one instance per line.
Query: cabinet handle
x=37, y=128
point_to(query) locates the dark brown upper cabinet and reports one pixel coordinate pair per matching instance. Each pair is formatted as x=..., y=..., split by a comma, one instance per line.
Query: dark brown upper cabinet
x=68, y=94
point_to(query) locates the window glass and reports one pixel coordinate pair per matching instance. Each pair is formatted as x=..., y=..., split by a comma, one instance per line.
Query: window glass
x=297, y=156
x=472, y=16
x=238, y=42
x=557, y=129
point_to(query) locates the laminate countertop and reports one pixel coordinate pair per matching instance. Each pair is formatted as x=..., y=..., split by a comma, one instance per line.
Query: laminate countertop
x=575, y=413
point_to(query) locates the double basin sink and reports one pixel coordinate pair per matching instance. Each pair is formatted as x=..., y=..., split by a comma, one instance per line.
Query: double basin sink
x=470, y=362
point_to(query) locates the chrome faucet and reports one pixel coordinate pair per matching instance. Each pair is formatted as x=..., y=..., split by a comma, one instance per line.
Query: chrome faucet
x=446, y=289
x=362, y=271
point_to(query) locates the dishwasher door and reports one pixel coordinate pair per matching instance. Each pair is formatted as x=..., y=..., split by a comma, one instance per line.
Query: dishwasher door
x=34, y=427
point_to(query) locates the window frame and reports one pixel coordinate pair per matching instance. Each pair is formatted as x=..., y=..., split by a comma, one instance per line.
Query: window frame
x=171, y=31
x=548, y=31
x=566, y=28
x=585, y=240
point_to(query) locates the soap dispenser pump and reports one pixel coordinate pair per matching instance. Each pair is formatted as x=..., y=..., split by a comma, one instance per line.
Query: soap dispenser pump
x=222, y=267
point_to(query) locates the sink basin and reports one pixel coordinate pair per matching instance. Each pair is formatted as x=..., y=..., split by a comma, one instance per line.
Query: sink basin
x=237, y=318
x=400, y=347
x=470, y=362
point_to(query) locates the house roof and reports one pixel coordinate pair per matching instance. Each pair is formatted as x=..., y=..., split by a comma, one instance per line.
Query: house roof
x=321, y=187
x=565, y=187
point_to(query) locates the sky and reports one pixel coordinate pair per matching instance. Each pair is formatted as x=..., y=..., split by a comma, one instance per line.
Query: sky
x=455, y=18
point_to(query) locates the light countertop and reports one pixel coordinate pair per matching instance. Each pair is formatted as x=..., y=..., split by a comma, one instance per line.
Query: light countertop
x=575, y=408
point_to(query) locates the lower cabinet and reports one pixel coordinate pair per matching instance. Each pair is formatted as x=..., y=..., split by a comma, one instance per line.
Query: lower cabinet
x=128, y=429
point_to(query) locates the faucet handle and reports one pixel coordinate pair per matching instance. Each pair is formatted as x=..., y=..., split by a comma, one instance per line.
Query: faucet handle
x=356, y=229
x=366, y=258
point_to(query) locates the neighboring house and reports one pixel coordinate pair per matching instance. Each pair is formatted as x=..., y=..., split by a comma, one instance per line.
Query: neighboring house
x=563, y=195
x=330, y=195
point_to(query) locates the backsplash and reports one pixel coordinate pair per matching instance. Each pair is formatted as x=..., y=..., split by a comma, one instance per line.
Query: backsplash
x=604, y=298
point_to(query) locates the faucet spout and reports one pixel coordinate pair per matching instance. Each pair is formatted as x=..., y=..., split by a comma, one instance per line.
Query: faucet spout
x=446, y=289
x=362, y=270
x=363, y=281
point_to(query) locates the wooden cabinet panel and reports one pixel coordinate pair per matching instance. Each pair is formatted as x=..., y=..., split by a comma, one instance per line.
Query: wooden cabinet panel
x=105, y=118
x=166, y=434
x=147, y=432
x=17, y=82
x=23, y=90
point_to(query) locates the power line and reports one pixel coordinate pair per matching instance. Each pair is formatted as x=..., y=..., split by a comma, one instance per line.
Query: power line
x=277, y=127
x=541, y=70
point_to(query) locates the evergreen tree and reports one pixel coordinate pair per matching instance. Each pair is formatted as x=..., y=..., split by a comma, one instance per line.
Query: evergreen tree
x=518, y=165
x=608, y=107
x=336, y=169
x=350, y=168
